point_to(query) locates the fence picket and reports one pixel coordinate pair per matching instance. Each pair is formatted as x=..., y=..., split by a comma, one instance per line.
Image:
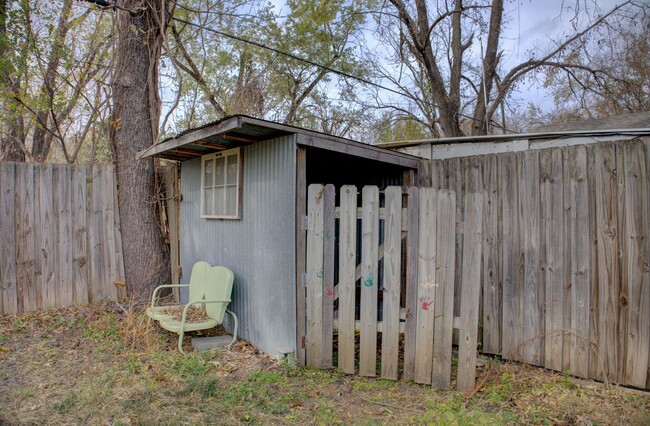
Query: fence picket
x=491, y=269
x=347, y=277
x=108, y=231
x=314, y=279
x=65, y=246
x=426, y=286
x=552, y=216
x=45, y=238
x=329, y=199
x=79, y=235
x=634, y=238
x=25, y=246
x=443, y=306
x=391, y=283
x=510, y=242
x=608, y=267
x=470, y=292
x=369, y=281
x=8, y=270
x=580, y=277
x=410, y=328
x=533, y=302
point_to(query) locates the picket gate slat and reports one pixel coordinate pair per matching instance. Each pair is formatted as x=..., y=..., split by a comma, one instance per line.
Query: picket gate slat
x=426, y=292
x=314, y=279
x=328, y=274
x=369, y=281
x=391, y=283
x=411, y=295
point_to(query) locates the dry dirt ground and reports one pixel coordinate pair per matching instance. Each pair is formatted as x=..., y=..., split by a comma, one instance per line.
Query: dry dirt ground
x=107, y=364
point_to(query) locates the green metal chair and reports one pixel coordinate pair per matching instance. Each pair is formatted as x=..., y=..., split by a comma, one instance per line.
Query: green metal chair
x=210, y=287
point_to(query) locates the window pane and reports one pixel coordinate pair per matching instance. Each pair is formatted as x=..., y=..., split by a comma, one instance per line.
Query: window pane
x=208, y=173
x=231, y=177
x=231, y=200
x=207, y=202
x=220, y=171
x=219, y=201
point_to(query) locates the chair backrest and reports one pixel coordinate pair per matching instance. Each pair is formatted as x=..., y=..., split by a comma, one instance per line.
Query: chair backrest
x=211, y=283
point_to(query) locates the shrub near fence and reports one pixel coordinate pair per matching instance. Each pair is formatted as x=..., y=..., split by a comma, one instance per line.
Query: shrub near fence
x=61, y=243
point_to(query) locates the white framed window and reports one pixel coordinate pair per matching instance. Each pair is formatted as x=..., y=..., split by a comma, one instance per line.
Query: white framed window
x=221, y=184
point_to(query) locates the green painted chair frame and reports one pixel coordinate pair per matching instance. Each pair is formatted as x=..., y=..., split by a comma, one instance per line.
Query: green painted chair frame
x=210, y=287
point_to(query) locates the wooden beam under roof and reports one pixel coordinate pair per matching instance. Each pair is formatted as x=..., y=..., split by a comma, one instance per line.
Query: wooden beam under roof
x=240, y=138
x=192, y=136
x=213, y=145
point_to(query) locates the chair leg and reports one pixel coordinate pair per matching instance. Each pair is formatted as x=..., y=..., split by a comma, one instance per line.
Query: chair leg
x=234, y=327
x=181, y=334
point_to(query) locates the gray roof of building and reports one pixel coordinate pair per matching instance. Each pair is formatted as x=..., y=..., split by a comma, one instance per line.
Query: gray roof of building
x=625, y=121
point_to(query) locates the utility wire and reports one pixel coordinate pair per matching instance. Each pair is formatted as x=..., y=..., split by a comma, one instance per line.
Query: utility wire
x=316, y=64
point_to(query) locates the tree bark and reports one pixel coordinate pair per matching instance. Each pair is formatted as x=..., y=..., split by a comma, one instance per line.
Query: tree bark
x=135, y=120
x=420, y=35
x=490, y=62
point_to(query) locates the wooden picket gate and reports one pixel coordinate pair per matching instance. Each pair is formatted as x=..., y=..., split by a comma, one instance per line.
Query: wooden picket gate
x=387, y=268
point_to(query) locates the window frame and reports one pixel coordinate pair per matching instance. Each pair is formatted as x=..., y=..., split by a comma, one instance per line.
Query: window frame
x=235, y=152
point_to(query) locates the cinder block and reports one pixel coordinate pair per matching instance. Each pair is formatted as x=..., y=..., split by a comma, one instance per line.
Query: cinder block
x=203, y=344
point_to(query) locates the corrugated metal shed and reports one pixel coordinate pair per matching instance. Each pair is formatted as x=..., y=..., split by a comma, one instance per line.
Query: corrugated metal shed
x=258, y=247
x=265, y=247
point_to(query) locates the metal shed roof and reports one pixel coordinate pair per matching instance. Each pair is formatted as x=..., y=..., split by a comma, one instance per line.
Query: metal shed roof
x=637, y=124
x=241, y=130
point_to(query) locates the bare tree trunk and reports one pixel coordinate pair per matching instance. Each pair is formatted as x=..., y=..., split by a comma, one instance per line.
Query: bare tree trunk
x=490, y=62
x=420, y=37
x=135, y=119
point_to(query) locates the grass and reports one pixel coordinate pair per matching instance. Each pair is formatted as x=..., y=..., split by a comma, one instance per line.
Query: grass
x=100, y=364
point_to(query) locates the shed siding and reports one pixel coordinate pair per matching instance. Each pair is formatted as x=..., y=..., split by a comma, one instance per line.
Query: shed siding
x=263, y=295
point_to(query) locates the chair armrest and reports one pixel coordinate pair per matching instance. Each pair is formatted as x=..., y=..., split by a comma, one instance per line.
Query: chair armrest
x=157, y=289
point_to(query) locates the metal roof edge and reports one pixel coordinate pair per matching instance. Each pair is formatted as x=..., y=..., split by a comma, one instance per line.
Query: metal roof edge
x=517, y=136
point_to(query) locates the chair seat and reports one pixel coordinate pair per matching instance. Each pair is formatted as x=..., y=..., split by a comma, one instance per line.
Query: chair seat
x=174, y=325
x=157, y=313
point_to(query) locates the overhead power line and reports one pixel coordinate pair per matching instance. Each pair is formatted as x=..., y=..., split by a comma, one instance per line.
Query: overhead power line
x=316, y=64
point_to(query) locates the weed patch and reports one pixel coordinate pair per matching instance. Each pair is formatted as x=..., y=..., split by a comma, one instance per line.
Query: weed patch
x=107, y=364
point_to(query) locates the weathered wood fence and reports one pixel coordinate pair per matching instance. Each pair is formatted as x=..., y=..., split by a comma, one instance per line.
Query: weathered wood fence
x=566, y=256
x=59, y=228
x=563, y=267
x=393, y=259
